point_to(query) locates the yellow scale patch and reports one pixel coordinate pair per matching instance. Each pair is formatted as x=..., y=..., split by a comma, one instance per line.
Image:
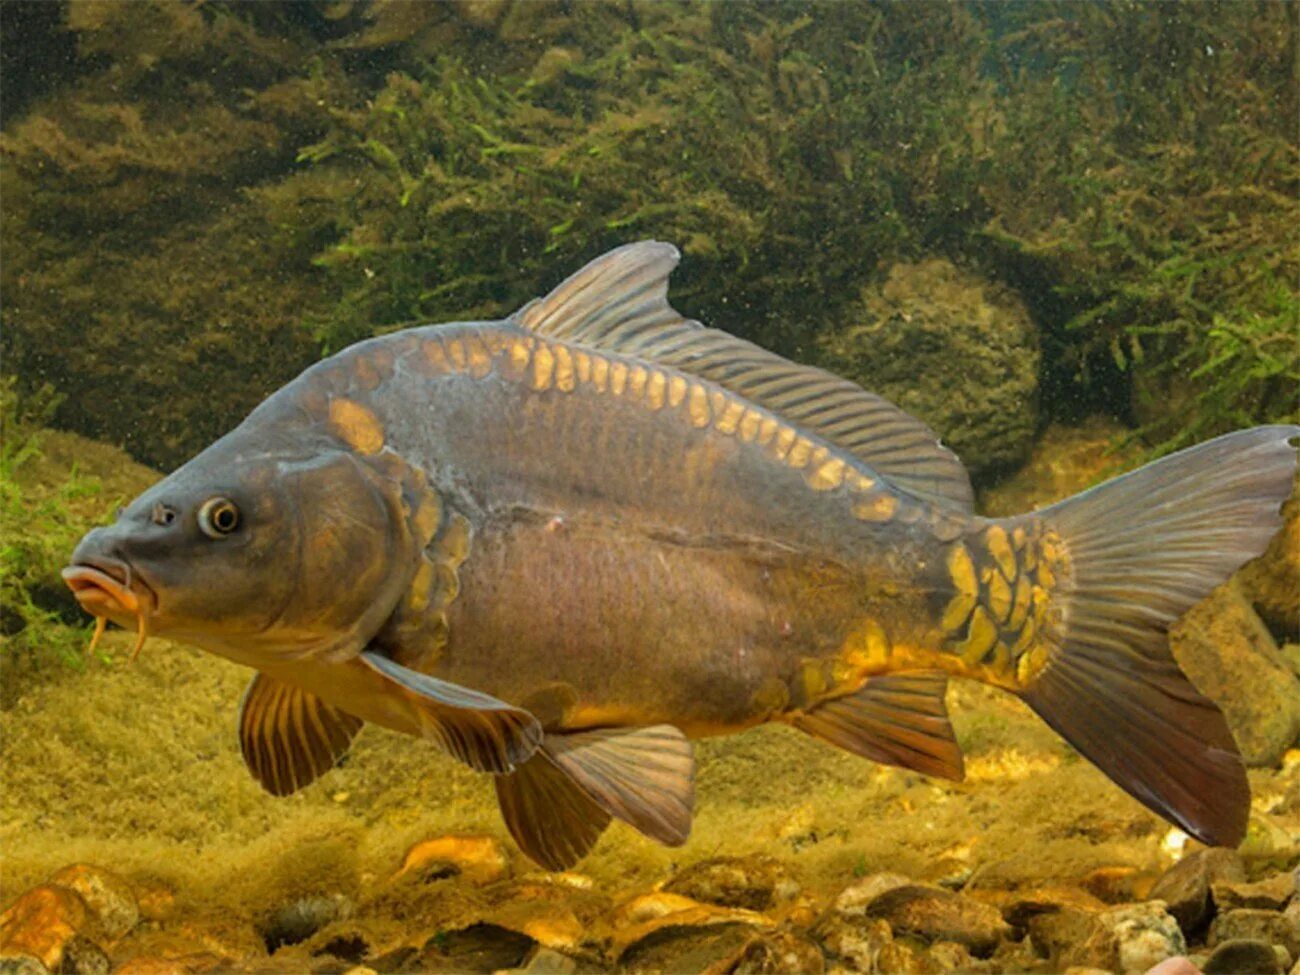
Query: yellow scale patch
x=1003, y=599
x=356, y=425
x=544, y=365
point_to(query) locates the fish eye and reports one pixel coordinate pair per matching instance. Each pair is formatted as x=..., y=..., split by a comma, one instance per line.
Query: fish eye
x=218, y=517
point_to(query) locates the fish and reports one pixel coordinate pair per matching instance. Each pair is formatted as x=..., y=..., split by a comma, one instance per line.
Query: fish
x=565, y=544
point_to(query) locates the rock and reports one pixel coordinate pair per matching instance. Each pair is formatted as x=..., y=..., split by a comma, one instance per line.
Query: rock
x=1018, y=907
x=1272, y=581
x=1268, y=845
x=777, y=953
x=661, y=916
x=1271, y=894
x=150, y=965
x=1070, y=938
x=1185, y=887
x=716, y=948
x=155, y=899
x=41, y=922
x=544, y=961
x=21, y=965
x=1229, y=654
x=955, y=350
x=357, y=940
x=855, y=898
x=109, y=897
x=196, y=944
x=295, y=922
x=934, y=914
x=1146, y=934
x=1240, y=956
x=756, y=883
x=947, y=956
x=1118, y=885
x=479, y=859
x=477, y=948
x=853, y=938
x=81, y=956
x=901, y=958
x=1251, y=924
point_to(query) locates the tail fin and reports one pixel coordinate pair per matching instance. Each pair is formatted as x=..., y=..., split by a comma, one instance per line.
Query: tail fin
x=1140, y=550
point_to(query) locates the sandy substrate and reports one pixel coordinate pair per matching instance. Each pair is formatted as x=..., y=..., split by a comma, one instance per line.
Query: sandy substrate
x=137, y=768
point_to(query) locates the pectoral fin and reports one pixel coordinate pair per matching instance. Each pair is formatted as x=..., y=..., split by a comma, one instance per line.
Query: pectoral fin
x=290, y=737
x=899, y=719
x=643, y=776
x=548, y=814
x=486, y=734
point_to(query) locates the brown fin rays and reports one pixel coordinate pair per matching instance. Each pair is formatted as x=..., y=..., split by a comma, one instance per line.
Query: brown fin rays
x=898, y=719
x=485, y=733
x=559, y=802
x=290, y=737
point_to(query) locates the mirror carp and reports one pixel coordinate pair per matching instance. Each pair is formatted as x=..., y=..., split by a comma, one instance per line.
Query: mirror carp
x=565, y=543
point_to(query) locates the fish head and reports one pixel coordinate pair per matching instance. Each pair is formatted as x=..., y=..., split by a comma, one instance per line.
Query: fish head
x=257, y=555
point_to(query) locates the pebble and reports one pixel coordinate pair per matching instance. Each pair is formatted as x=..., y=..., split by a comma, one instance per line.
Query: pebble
x=855, y=898
x=778, y=953
x=480, y=947
x=1019, y=906
x=1146, y=933
x=1270, y=894
x=855, y=939
x=297, y=921
x=934, y=914
x=478, y=859
x=81, y=956
x=1252, y=924
x=110, y=898
x=1185, y=887
x=657, y=913
x=1118, y=885
x=756, y=883
x=1243, y=956
x=41, y=922
x=1074, y=938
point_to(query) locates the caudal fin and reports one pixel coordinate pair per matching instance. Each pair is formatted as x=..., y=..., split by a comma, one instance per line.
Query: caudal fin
x=1135, y=553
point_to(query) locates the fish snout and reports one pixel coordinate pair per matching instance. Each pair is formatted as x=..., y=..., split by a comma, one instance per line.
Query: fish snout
x=104, y=583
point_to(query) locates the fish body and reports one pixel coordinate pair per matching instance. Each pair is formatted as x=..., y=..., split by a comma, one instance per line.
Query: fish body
x=564, y=543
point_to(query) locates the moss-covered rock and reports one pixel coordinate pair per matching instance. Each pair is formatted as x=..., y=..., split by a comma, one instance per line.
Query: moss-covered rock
x=953, y=349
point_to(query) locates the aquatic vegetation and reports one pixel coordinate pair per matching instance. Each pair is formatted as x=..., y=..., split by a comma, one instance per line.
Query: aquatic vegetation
x=213, y=195
x=37, y=525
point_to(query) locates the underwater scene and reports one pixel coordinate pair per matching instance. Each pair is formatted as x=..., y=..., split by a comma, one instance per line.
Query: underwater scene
x=733, y=487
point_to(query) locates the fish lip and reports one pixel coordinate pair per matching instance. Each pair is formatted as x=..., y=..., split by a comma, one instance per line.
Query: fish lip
x=107, y=587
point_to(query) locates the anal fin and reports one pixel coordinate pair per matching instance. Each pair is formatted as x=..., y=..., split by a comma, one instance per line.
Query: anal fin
x=897, y=719
x=289, y=737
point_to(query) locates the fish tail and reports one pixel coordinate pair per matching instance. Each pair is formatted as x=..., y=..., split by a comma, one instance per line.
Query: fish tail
x=1124, y=560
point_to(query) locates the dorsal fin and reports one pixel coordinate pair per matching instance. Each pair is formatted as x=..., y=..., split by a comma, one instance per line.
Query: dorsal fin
x=619, y=302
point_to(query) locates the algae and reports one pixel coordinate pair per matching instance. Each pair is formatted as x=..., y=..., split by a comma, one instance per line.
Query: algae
x=210, y=196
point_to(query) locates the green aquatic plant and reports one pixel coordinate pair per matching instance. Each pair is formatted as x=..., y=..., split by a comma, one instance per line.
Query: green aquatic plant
x=39, y=526
x=212, y=195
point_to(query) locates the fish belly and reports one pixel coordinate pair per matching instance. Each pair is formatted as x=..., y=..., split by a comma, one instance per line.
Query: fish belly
x=704, y=633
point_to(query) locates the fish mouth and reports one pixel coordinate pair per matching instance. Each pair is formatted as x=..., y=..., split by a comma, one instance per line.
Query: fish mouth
x=108, y=589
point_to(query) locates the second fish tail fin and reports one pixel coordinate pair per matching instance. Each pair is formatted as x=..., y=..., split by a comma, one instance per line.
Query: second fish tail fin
x=1126, y=559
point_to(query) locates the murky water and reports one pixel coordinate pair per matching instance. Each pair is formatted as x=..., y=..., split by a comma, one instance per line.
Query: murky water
x=1060, y=235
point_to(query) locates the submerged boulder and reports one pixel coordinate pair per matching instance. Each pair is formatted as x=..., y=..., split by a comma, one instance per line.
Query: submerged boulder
x=953, y=349
x=1229, y=654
